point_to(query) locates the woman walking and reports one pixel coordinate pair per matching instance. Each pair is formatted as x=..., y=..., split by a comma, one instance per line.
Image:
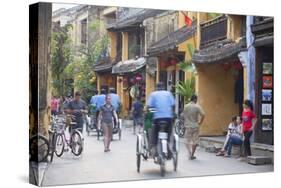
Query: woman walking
x=106, y=119
x=248, y=121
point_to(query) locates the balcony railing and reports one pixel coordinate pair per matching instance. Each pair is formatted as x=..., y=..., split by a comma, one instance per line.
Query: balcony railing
x=213, y=30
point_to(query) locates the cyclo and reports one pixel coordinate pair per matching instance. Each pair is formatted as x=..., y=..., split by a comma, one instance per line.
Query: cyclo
x=165, y=150
x=91, y=120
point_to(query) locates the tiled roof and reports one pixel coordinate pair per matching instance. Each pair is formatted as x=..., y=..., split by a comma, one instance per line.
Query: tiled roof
x=135, y=19
x=172, y=40
x=219, y=52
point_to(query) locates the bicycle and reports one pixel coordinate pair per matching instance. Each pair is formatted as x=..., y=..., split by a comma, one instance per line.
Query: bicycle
x=180, y=128
x=75, y=142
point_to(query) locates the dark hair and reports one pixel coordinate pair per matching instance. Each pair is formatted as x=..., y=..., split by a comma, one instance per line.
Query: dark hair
x=95, y=91
x=77, y=93
x=103, y=91
x=160, y=86
x=193, y=98
x=234, y=118
x=249, y=104
x=112, y=90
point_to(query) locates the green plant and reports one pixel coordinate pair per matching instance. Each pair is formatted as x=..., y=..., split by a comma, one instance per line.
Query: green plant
x=186, y=88
x=61, y=56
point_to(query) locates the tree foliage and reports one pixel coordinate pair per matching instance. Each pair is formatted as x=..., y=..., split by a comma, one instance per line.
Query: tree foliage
x=81, y=69
x=61, y=56
x=186, y=88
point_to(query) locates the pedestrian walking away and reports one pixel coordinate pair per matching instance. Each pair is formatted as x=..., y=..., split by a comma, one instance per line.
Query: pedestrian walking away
x=137, y=112
x=249, y=121
x=193, y=116
x=106, y=118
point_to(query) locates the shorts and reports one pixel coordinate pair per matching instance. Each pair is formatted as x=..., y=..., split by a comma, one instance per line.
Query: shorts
x=192, y=135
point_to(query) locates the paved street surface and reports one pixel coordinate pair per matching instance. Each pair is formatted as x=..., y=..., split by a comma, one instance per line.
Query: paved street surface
x=120, y=164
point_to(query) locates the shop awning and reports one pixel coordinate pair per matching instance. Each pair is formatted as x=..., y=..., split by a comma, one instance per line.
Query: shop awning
x=219, y=52
x=134, y=19
x=172, y=40
x=128, y=66
x=103, y=67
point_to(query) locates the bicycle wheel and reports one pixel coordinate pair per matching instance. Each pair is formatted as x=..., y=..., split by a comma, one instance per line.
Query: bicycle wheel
x=76, y=143
x=59, y=146
x=38, y=148
x=138, y=155
x=52, y=139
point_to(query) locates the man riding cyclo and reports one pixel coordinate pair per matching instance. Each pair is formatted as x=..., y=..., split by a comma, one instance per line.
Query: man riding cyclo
x=163, y=103
x=93, y=108
x=115, y=101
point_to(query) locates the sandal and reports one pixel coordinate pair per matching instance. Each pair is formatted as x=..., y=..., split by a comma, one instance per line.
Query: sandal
x=220, y=153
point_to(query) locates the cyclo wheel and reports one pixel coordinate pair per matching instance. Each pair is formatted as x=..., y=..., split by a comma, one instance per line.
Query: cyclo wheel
x=138, y=154
x=162, y=168
x=76, y=143
x=120, y=134
x=38, y=148
x=175, y=152
x=59, y=145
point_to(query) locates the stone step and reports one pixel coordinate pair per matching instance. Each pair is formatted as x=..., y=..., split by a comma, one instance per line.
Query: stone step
x=212, y=144
x=259, y=160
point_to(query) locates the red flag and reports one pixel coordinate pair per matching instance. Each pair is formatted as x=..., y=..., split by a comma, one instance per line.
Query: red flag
x=187, y=20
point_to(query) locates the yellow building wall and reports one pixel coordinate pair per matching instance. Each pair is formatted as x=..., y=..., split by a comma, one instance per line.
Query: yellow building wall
x=150, y=85
x=112, y=44
x=124, y=96
x=234, y=25
x=216, y=96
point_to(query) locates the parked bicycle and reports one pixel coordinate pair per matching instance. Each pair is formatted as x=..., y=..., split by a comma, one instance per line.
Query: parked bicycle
x=179, y=127
x=75, y=142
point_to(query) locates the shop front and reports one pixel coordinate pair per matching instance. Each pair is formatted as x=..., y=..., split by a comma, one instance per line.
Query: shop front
x=263, y=31
x=170, y=52
x=132, y=82
x=105, y=79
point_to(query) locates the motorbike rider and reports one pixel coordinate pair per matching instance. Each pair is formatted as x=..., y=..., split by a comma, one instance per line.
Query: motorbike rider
x=163, y=102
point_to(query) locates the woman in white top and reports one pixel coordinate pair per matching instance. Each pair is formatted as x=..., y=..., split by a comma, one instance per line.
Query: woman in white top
x=234, y=136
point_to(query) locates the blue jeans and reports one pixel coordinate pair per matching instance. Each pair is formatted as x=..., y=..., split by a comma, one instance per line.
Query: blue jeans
x=233, y=140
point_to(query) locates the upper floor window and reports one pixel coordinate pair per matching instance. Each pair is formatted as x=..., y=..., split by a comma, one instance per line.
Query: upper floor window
x=84, y=31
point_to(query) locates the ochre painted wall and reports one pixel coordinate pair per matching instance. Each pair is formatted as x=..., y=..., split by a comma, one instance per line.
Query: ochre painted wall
x=124, y=96
x=112, y=44
x=234, y=24
x=216, y=96
x=150, y=85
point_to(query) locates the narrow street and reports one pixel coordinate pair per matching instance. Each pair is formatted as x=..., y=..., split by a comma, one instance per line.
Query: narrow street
x=120, y=164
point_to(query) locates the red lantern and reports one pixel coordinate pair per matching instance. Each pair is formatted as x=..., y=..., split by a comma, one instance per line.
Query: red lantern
x=173, y=62
x=120, y=80
x=138, y=78
x=238, y=66
x=226, y=66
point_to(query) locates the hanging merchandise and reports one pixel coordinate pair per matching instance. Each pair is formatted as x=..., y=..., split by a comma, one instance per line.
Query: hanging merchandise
x=134, y=91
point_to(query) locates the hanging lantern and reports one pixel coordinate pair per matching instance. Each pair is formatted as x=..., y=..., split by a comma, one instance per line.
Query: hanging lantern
x=238, y=66
x=138, y=78
x=120, y=80
x=226, y=66
x=173, y=62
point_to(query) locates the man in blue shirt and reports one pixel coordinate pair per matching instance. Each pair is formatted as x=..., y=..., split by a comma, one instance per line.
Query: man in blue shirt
x=115, y=99
x=163, y=102
x=100, y=99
